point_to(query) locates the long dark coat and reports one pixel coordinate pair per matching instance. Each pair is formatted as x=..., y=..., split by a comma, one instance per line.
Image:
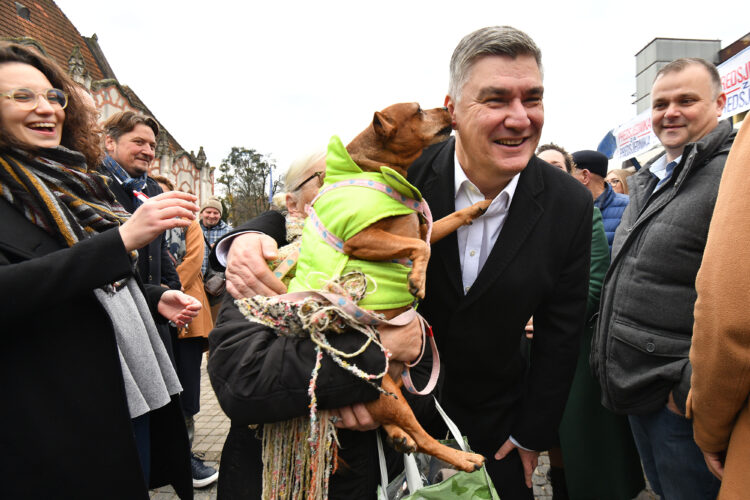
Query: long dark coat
x=65, y=428
x=588, y=431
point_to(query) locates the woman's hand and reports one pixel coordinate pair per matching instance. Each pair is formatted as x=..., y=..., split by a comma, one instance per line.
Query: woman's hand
x=178, y=307
x=355, y=418
x=247, y=271
x=156, y=215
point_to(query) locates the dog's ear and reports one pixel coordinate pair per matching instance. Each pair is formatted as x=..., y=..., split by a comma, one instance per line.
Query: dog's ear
x=383, y=125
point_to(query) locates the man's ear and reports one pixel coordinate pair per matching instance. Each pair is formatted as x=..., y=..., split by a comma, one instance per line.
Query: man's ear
x=451, y=106
x=109, y=144
x=586, y=176
x=383, y=125
x=720, y=102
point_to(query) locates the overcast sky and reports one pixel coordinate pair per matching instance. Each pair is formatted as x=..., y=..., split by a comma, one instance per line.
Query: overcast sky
x=282, y=77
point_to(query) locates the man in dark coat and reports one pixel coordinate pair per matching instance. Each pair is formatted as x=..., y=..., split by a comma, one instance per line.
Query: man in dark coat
x=130, y=142
x=527, y=256
x=643, y=338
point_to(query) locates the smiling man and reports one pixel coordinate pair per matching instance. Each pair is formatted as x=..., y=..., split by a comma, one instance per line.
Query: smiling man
x=641, y=347
x=528, y=255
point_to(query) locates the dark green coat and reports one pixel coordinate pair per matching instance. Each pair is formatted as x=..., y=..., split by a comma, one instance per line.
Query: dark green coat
x=600, y=458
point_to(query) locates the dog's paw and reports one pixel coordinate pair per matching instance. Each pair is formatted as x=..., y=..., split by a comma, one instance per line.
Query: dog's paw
x=468, y=462
x=474, y=211
x=402, y=442
x=416, y=288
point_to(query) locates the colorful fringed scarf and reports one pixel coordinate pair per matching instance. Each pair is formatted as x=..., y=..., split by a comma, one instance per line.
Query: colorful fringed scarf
x=299, y=455
x=54, y=190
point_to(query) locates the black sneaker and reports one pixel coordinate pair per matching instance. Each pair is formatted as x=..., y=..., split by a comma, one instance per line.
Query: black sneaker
x=203, y=475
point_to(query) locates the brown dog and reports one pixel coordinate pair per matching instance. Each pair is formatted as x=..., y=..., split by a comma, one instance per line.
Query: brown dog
x=396, y=138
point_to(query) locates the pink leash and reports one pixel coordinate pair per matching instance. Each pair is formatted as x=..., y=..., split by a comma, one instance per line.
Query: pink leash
x=334, y=241
x=367, y=317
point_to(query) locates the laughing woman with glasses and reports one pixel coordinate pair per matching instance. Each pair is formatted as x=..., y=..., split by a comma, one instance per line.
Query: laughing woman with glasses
x=91, y=393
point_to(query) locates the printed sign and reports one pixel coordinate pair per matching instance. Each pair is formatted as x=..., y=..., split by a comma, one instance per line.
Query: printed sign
x=735, y=79
x=636, y=136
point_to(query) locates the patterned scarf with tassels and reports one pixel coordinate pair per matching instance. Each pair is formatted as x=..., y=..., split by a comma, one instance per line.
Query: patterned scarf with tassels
x=54, y=190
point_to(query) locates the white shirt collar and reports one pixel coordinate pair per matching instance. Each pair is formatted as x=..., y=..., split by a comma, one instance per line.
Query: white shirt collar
x=463, y=184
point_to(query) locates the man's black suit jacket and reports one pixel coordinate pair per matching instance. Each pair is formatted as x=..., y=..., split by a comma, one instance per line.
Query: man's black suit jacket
x=539, y=266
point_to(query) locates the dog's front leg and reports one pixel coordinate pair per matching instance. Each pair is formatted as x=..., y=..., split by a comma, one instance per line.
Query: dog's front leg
x=464, y=217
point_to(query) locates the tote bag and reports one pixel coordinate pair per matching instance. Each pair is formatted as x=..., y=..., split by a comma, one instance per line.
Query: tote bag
x=428, y=478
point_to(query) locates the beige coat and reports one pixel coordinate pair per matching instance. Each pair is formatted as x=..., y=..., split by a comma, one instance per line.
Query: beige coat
x=192, y=282
x=720, y=353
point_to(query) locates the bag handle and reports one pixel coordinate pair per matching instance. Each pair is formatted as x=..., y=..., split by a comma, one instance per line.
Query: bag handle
x=413, y=477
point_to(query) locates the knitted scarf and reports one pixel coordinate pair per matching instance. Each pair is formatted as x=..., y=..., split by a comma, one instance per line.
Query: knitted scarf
x=131, y=184
x=55, y=191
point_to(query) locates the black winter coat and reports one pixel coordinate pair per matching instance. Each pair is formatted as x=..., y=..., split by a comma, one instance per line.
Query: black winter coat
x=65, y=428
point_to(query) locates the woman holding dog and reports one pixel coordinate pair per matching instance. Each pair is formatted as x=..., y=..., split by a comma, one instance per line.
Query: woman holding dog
x=269, y=360
x=91, y=384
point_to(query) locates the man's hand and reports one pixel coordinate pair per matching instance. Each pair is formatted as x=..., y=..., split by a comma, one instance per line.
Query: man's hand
x=156, y=215
x=529, y=328
x=672, y=406
x=179, y=308
x=529, y=459
x=247, y=271
x=355, y=418
x=715, y=463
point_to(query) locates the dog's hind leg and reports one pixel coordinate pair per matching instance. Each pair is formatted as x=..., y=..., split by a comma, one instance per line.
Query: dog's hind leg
x=399, y=439
x=396, y=413
x=394, y=238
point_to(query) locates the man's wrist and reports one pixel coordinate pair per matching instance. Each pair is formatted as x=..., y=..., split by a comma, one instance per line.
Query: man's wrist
x=518, y=445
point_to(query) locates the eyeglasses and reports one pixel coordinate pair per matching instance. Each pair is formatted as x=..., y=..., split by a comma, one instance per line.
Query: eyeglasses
x=28, y=100
x=320, y=175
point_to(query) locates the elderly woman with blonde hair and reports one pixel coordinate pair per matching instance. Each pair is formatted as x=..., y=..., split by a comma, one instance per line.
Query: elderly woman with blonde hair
x=241, y=465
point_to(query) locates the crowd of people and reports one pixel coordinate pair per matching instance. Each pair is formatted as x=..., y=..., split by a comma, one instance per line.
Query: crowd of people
x=593, y=312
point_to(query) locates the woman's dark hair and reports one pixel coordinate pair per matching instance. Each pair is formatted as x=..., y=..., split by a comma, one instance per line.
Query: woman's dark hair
x=77, y=133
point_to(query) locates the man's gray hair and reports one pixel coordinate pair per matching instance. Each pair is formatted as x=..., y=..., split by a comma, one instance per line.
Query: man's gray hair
x=680, y=64
x=489, y=41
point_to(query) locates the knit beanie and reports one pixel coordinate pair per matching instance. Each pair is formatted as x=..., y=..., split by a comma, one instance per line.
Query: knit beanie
x=212, y=202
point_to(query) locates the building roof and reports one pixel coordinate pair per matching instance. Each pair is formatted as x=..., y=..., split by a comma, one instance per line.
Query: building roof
x=55, y=35
x=43, y=24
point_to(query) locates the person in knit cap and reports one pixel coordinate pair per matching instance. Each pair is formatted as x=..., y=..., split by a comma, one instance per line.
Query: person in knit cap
x=213, y=229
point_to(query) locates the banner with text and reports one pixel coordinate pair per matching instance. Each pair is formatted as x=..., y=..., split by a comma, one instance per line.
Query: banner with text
x=636, y=136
